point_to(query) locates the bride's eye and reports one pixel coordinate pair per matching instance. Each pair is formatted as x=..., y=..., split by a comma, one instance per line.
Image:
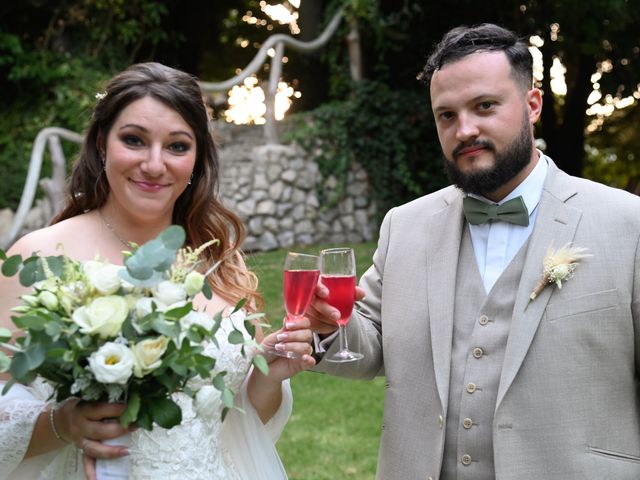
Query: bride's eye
x=132, y=140
x=179, y=147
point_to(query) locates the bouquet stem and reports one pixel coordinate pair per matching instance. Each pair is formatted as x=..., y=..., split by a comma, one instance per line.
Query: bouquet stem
x=114, y=468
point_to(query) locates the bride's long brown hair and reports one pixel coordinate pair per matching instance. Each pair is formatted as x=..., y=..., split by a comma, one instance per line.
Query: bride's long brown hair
x=199, y=209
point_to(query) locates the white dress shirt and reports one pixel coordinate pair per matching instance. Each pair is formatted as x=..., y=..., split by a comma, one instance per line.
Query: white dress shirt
x=496, y=243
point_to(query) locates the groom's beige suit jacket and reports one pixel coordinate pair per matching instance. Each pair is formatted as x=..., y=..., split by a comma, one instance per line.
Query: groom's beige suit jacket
x=568, y=402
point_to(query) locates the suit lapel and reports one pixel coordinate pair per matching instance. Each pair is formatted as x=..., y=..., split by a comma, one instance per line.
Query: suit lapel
x=443, y=247
x=556, y=225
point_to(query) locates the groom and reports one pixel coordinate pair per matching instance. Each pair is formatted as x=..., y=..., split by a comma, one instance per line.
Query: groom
x=482, y=381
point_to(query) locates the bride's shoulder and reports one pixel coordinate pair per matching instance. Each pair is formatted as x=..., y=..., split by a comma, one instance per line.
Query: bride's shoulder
x=49, y=240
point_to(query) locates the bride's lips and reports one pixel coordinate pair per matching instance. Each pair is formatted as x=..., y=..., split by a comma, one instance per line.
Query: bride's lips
x=148, y=186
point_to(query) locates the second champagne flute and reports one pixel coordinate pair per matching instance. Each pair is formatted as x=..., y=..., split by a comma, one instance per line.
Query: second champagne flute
x=338, y=274
x=301, y=272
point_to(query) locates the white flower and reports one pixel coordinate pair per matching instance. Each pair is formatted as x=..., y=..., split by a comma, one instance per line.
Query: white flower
x=193, y=283
x=558, y=267
x=196, y=318
x=144, y=306
x=104, y=277
x=48, y=299
x=103, y=316
x=168, y=293
x=112, y=363
x=147, y=355
x=206, y=401
x=30, y=300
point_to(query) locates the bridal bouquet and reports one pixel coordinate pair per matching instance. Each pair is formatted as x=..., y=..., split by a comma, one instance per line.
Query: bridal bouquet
x=102, y=332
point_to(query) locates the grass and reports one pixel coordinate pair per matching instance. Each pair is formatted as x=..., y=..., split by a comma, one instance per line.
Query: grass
x=335, y=426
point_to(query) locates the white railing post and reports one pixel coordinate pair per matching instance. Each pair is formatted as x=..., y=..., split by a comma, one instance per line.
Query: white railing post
x=275, y=72
x=33, y=175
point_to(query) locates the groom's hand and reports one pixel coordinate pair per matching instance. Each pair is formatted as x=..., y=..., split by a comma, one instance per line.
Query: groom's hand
x=323, y=316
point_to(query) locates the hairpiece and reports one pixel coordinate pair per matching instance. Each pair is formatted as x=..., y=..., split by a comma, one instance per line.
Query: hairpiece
x=100, y=95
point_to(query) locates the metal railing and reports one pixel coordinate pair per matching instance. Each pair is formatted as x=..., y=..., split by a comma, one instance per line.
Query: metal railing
x=53, y=187
x=277, y=42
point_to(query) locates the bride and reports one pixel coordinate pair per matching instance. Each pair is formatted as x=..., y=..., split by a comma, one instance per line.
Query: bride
x=149, y=161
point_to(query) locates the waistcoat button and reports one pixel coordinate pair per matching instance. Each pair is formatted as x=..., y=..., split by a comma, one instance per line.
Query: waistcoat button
x=483, y=320
x=471, y=387
x=477, y=352
x=467, y=423
x=466, y=459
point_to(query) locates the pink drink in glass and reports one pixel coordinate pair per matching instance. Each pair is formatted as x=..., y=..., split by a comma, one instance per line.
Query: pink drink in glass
x=299, y=286
x=342, y=290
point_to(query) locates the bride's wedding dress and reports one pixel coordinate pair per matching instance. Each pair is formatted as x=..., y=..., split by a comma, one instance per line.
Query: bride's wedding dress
x=201, y=447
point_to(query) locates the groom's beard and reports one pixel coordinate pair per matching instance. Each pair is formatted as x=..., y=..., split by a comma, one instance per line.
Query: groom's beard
x=508, y=163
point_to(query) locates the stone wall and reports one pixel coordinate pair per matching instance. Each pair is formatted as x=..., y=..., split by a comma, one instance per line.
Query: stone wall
x=276, y=191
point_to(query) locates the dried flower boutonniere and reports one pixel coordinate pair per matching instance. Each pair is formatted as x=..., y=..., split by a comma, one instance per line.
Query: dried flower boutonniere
x=558, y=267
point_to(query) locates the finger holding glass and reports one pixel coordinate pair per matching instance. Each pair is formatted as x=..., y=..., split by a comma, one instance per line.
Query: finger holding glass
x=301, y=272
x=338, y=274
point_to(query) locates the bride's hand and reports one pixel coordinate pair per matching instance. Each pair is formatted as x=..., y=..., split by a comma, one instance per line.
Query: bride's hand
x=297, y=339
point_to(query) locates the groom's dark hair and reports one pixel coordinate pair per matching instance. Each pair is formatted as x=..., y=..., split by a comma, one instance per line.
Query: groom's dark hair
x=459, y=42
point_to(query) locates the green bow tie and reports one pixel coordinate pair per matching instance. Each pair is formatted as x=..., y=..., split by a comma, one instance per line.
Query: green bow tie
x=477, y=212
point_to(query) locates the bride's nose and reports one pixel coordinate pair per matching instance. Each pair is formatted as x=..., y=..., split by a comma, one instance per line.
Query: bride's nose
x=154, y=164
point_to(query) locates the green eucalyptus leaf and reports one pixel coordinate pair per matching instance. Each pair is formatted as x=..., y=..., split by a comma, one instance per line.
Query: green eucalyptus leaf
x=25, y=362
x=206, y=290
x=3, y=255
x=170, y=329
x=261, y=364
x=130, y=414
x=5, y=334
x=53, y=329
x=165, y=412
x=227, y=398
x=239, y=305
x=7, y=386
x=218, y=381
x=173, y=237
x=31, y=272
x=236, y=337
x=5, y=362
x=144, y=420
x=11, y=265
x=179, y=312
x=30, y=322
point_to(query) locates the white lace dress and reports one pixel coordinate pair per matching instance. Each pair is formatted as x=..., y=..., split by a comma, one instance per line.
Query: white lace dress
x=201, y=447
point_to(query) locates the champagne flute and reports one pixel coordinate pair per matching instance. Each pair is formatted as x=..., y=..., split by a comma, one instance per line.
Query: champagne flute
x=301, y=272
x=338, y=274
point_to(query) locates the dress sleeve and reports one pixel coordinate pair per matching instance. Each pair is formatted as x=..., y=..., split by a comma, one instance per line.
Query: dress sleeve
x=19, y=410
x=250, y=443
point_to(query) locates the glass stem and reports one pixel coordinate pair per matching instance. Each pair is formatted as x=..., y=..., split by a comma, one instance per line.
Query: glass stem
x=342, y=335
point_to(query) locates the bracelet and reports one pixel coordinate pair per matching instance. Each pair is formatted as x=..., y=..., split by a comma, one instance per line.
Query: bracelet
x=52, y=422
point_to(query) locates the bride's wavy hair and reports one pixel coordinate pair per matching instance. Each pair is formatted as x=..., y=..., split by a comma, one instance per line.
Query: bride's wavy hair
x=198, y=209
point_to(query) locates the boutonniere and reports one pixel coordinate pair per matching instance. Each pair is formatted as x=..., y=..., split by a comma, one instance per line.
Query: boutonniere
x=558, y=267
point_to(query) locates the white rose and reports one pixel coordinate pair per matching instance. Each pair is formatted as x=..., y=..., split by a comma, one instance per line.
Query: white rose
x=112, y=363
x=193, y=283
x=168, y=293
x=196, y=318
x=147, y=355
x=48, y=300
x=104, y=277
x=207, y=400
x=104, y=316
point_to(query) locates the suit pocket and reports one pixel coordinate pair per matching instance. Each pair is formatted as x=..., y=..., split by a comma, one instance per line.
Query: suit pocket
x=614, y=455
x=582, y=305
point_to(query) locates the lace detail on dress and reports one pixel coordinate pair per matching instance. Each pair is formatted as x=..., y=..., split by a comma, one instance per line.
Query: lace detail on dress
x=192, y=449
x=17, y=419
